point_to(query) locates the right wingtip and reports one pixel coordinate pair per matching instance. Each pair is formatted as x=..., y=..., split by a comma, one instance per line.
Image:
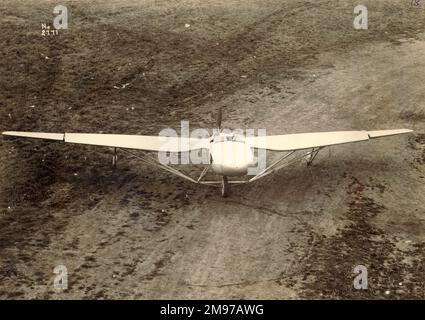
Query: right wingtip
x=385, y=133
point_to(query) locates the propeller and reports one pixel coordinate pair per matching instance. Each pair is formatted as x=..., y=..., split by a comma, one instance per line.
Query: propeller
x=219, y=115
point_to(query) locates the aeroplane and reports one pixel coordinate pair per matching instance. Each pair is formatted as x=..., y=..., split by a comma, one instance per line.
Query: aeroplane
x=230, y=154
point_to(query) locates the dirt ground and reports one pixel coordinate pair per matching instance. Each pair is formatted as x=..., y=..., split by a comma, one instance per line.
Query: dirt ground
x=286, y=66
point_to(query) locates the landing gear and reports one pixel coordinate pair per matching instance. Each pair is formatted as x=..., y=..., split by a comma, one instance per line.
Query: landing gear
x=114, y=158
x=312, y=155
x=224, y=187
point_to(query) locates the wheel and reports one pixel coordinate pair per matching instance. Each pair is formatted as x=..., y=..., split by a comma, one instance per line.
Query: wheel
x=224, y=187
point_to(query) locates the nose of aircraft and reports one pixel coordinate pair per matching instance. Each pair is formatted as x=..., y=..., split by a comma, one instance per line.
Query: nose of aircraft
x=231, y=158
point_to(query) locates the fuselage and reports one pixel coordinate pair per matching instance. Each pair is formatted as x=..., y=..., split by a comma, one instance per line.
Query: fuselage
x=230, y=154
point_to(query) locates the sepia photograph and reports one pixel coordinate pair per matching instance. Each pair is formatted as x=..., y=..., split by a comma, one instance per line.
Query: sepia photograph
x=212, y=150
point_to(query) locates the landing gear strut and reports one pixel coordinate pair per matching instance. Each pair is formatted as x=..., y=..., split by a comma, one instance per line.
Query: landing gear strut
x=312, y=155
x=225, y=187
x=114, y=158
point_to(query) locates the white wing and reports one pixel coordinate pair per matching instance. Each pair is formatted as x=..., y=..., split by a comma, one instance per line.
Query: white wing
x=298, y=141
x=148, y=143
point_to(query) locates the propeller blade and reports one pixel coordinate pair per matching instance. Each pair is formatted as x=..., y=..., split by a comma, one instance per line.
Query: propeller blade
x=219, y=115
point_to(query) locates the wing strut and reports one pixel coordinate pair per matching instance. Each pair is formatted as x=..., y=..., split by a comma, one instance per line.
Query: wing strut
x=277, y=165
x=203, y=173
x=150, y=161
x=312, y=155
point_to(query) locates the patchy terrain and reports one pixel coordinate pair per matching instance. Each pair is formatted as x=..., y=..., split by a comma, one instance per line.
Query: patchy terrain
x=137, y=67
